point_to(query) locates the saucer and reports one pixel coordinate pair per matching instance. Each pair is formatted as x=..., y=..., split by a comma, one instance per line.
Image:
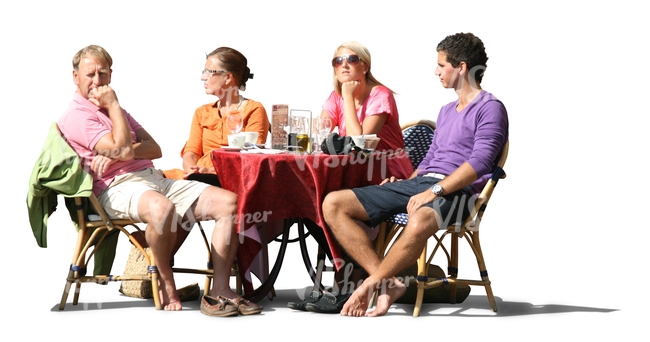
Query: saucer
x=231, y=148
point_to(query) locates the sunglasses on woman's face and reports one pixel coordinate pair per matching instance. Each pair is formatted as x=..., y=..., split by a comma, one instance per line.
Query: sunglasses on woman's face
x=352, y=60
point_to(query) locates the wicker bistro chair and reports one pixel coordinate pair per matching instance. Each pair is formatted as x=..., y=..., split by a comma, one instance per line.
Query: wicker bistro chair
x=417, y=139
x=95, y=230
x=469, y=229
x=92, y=230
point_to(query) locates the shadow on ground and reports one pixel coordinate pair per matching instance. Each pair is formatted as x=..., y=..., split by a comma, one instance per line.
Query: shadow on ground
x=473, y=306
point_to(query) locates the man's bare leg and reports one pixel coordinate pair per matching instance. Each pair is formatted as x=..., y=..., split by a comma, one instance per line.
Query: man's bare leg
x=181, y=235
x=221, y=205
x=341, y=210
x=404, y=252
x=158, y=212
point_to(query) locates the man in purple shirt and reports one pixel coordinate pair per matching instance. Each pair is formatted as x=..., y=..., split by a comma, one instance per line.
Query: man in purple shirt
x=117, y=151
x=470, y=135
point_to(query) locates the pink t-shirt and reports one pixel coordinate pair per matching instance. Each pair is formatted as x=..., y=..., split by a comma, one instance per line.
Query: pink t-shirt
x=379, y=101
x=82, y=125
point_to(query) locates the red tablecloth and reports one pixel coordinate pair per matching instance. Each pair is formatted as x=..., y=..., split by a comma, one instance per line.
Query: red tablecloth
x=274, y=187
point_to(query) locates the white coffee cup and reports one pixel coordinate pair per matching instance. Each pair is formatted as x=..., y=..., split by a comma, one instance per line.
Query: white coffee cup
x=236, y=140
x=359, y=140
x=251, y=137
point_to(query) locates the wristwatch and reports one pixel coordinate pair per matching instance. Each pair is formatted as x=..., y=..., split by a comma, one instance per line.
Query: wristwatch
x=437, y=189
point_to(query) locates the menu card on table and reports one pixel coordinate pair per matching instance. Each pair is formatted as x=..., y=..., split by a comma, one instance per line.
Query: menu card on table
x=279, y=120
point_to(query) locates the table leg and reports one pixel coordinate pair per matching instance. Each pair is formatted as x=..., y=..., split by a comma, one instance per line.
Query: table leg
x=316, y=275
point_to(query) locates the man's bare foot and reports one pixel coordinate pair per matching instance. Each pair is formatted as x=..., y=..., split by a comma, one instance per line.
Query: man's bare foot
x=388, y=294
x=357, y=304
x=174, y=306
x=170, y=302
x=167, y=288
x=169, y=298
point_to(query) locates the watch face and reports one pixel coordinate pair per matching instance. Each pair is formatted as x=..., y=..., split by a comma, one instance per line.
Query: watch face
x=437, y=189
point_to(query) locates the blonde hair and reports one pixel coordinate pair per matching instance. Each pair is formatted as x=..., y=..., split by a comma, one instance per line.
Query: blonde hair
x=363, y=53
x=94, y=51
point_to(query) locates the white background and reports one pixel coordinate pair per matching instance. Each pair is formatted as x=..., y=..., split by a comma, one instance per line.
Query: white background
x=564, y=237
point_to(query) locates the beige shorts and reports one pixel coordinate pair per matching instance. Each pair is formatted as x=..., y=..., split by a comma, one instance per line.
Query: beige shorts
x=120, y=199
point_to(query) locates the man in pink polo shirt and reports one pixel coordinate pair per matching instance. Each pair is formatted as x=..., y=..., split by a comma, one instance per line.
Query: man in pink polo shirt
x=117, y=151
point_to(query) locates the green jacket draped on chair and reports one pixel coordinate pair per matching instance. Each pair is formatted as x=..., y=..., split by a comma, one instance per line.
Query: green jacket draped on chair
x=58, y=171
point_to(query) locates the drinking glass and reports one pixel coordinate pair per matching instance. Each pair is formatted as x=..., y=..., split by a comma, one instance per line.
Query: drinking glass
x=234, y=123
x=322, y=128
x=299, y=135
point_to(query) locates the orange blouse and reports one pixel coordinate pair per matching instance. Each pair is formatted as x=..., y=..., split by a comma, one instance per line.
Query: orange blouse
x=209, y=131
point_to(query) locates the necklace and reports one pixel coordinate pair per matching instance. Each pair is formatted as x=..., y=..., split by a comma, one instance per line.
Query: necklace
x=241, y=101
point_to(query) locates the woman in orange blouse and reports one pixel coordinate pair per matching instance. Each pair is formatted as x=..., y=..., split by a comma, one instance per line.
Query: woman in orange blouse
x=224, y=76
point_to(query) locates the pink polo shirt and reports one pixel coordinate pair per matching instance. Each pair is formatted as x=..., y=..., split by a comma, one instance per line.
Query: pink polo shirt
x=82, y=125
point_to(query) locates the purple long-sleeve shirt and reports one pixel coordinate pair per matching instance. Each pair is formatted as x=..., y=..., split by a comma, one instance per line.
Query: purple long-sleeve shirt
x=476, y=135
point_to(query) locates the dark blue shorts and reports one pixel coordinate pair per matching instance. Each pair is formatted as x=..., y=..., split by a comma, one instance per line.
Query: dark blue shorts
x=383, y=201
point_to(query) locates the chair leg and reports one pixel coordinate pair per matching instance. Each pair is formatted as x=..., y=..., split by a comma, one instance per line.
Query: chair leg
x=154, y=287
x=66, y=291
x=478, y=252
x=208, y=284
x=490, y=295
x=421, y=280
x=452, y=268
x=78, y=260
x=77, y=290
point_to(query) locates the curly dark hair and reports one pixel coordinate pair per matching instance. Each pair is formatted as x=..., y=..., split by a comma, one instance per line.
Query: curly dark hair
x=468, y=48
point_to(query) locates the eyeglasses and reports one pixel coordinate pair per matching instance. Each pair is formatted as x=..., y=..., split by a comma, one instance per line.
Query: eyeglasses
x=208, y=72
x=352, y=60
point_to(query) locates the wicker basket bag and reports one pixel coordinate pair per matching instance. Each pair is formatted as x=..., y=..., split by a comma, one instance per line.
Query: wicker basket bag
x=136, y=264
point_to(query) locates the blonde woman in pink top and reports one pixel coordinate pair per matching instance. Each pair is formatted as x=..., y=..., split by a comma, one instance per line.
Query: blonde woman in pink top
x=360, y=105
